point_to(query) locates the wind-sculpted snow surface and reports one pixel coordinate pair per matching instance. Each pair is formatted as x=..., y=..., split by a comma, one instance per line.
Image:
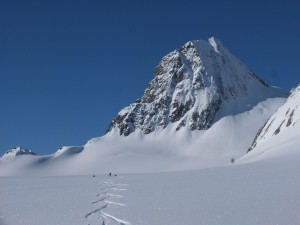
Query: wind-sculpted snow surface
x=191, y=86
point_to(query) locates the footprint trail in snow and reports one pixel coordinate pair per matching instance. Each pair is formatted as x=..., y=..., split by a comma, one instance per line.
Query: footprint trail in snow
x=109, y=195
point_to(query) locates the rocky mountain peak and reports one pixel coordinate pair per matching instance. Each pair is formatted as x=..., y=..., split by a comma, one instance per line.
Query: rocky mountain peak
x=190, y=86
x=17, y=151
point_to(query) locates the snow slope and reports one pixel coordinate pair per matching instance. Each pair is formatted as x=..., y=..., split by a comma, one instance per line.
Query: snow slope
x=264, y=192
x=280, y=134
x=167, y=150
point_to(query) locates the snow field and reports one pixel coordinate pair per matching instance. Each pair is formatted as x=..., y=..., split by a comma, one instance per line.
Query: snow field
x=105, y=199
x=263, y=192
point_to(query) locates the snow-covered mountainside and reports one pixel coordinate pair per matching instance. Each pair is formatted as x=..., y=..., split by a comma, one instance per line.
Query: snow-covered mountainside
x=166, y=150
x=281, y=129
x=190, y=88
x=17, y=151
x=203, y=108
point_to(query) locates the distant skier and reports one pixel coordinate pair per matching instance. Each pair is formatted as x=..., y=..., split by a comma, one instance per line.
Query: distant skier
x=115, y=175
x=110, y=174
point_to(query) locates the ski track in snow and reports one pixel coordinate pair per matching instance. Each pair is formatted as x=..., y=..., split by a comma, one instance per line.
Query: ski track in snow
x=97, y=216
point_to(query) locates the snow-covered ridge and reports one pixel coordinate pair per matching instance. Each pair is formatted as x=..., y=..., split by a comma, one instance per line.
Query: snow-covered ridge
x=283, y=124
x=17, y=151
x=68, y=151
x=192, y=87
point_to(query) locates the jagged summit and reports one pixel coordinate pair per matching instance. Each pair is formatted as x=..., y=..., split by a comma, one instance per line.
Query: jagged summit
x=17, y=151
x=191, y=85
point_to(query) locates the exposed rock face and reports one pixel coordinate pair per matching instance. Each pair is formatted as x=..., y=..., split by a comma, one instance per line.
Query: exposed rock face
x=286, y=117
x=189, y=87
x=17, y=151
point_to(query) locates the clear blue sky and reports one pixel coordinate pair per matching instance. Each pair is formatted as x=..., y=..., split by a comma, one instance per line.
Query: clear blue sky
x=68, y=67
